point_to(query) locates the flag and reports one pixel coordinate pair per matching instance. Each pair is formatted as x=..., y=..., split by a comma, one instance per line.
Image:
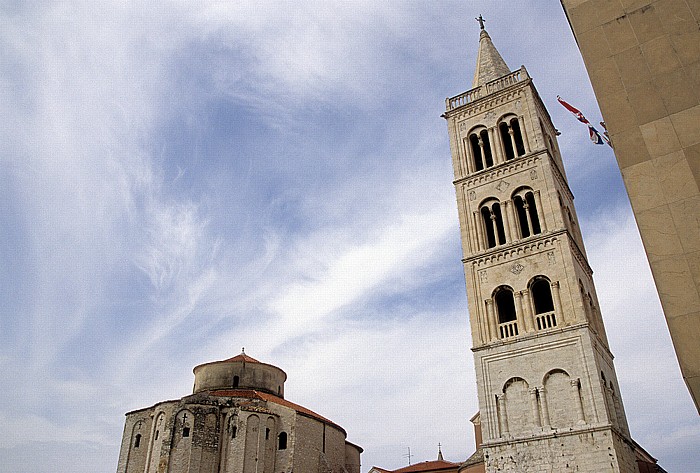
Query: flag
x=592, y=132
x=606, y=136
x=595, y=136
x=574, y=110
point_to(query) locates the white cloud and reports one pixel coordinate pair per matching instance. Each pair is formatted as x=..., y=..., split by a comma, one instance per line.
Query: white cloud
x=132, y=280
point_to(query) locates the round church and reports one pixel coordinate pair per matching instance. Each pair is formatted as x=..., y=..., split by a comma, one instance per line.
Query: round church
x=235, y=421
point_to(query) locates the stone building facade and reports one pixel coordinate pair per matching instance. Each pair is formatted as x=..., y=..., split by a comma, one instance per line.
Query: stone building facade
x=236, y=421
x=549, y=398
x=643, y=59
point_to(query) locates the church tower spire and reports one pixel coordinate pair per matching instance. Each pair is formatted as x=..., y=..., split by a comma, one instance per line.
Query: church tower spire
x=489, y=63
x=548, y=393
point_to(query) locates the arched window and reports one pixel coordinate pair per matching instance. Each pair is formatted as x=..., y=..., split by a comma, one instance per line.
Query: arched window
x=505, y=304
x=526, y=210
x=282, y=441
x=511, y=137
x=476, y=152
x=234, y=432
x=481, y=149
x=493, y=224
x=137, y=441
x=541, y=295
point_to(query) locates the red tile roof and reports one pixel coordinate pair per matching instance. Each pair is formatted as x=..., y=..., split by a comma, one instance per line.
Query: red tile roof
x=435, y=465
x=243, y=357
x=253, y=394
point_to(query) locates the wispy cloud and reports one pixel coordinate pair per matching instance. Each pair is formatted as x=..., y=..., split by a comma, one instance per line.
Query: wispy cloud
x=180, y=180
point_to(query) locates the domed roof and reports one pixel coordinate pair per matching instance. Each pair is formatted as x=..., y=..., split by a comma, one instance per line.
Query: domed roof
x=241, y=371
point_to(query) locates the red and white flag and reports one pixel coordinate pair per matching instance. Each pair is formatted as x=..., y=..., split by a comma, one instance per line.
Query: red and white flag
x=592, y=132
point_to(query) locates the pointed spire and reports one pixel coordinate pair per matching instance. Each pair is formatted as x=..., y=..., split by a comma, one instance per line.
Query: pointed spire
x=489, y=63
x=440, y=453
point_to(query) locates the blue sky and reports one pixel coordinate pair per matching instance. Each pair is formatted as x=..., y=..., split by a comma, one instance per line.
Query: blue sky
x=180, y=180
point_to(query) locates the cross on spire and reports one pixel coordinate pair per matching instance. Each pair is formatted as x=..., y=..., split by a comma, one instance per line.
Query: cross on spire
x=481, y=21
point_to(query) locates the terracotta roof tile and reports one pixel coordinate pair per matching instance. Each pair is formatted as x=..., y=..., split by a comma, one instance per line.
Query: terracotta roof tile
x=435, y=465
x=243, y=357
x=253, y=394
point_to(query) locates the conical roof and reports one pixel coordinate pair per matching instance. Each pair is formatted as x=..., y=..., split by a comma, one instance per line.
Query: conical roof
x=489, y=63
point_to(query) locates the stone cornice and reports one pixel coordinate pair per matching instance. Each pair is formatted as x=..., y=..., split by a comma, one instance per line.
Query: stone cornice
x=553, y=433
x=487, y=102
x=500, y=170
x=516, y=249
x=530, y=336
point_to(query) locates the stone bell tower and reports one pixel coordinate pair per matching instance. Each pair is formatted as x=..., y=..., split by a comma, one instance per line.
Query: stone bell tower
x=548, y=392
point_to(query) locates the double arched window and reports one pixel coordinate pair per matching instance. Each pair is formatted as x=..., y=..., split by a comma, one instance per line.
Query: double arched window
x=526, y=211
x=492, y=218
x=481, y=149
x=500, y=222
x=534, y=308
x=511, y=137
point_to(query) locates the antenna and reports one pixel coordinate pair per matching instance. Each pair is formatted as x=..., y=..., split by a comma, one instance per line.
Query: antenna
x=408, y=455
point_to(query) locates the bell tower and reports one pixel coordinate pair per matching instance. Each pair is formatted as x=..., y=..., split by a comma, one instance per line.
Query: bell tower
x=548, y=393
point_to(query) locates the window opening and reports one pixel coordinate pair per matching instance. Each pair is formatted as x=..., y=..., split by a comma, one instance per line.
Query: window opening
x=488, y=159
x=236, y=380
x=234, y=431
x=493, y=223
x=518, y=136
x=185, y=431
x=267, y=434
x=505, y=305
x=137, y=441
x=526, y=210
x=282, y=441
x=542, y=296
x=505, y=139
x=476, y=152
x=522, y=216
x=157, y=432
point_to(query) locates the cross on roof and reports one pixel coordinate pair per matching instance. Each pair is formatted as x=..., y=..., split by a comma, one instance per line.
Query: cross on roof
x=481, y=21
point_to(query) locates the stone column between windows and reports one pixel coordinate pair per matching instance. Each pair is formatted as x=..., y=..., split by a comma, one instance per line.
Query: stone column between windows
x=481, y=150
x=535, y=407
x=576, y=395
x=528, y=218
x=519, y=312
x=523, y=134
x=502, y=415
x=151, y=441
x=494, y=227
x=492, y=147
x=478, y=229
x=466, y=142
x=609, y=406
x=558, y=311
x=506, y=222
x=491, y=320
x=621, y=422
x=545, y=408
x=527, y=305
x=514, y=220
x=497, y=146
x=499, y=143
x=493, y=136
x=540, y=211
x=473, y=240
x=512, y=140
